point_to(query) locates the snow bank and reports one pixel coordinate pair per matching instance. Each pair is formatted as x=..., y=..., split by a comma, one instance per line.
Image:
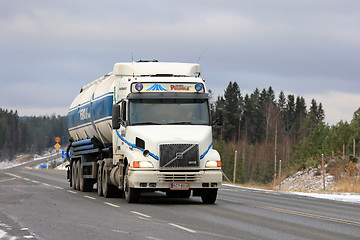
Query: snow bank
x=308, y=180
x=344, y=197
x=10, y=164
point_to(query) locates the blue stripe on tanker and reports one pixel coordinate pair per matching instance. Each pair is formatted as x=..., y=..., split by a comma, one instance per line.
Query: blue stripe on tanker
x=95, y=99
x=91, y=112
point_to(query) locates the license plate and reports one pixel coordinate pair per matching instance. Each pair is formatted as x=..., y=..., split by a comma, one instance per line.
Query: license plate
x=179, y=185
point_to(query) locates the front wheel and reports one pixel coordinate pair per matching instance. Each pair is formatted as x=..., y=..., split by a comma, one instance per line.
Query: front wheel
x=132, y=195
x=208, y=196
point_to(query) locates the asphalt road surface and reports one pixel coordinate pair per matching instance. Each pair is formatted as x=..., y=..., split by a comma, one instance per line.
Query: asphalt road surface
x=39, y=204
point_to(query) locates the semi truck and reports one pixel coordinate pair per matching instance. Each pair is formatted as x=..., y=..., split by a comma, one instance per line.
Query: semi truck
x=144, y=127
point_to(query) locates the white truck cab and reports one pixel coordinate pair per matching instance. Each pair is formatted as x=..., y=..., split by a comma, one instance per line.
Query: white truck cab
x=160, y=130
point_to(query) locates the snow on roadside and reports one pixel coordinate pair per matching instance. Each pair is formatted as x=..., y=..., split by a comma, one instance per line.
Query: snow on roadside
x=309, y=180
x=10, y=164
x=343, y=197
x=62, y=166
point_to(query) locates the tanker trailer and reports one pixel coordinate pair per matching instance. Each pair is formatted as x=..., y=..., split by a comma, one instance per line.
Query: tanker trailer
x=145, y=126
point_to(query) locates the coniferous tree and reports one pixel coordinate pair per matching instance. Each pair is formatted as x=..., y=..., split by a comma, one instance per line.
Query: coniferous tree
x=232, y=111
x=300, y=115
x=29, y=134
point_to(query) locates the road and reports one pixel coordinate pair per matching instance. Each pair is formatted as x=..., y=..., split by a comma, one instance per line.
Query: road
x=39, y=204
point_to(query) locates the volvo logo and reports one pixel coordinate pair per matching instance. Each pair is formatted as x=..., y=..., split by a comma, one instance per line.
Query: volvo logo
x=179, y=155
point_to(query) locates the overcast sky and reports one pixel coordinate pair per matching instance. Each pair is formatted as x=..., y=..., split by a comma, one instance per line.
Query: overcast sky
x=311, y=48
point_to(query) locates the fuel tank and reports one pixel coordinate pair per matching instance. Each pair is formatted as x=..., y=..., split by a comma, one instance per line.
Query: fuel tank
x=91, y=111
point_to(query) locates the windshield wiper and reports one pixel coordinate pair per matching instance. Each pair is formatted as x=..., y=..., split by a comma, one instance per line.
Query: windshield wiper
x=146, y=123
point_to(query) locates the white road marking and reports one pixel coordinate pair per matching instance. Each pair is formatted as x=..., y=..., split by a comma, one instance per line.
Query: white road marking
x=183, y=228
x=113, y=205
x=141, y=214
x=46, y=184
x=153, y=238
x=35, y=181
x=5, y=180
x=118, y=231
x=60, y=188
x=90, y=197
x=29, y=236
x=72, y=192
x=26, y=179
x=13, y=175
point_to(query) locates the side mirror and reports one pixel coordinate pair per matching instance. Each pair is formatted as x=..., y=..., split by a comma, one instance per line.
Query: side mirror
x=115, y=116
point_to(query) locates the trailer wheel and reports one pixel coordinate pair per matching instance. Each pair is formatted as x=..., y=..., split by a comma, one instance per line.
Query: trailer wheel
x=107, y=189
x=85, y=184
x=208, y=196
x=99, y=182
x=77, y=179
x=132, y=195
x=73, y=175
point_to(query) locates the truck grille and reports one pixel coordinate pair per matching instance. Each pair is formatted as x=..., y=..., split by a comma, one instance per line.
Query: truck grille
x=169, y=177
x=179, y=155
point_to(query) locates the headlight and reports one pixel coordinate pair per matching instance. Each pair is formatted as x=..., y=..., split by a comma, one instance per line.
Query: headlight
x=143, y=164
x=213, y=164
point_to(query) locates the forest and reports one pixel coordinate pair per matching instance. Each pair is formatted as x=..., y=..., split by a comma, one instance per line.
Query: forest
x=262, y=127
x=29, y=134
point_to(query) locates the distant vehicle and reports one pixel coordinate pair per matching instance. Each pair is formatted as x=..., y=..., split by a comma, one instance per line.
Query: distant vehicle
x=145, y=126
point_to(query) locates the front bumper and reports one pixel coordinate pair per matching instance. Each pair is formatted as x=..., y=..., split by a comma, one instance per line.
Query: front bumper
x=161, y=180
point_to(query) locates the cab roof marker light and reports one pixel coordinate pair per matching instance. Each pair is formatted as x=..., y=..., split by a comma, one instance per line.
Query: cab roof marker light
x=139, y=87
x=199, y=87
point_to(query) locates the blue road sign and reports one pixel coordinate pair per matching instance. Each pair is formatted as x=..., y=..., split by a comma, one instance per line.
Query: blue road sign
x=63, y=155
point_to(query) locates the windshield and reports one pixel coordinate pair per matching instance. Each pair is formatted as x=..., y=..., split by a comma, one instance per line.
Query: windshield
x=169, y=111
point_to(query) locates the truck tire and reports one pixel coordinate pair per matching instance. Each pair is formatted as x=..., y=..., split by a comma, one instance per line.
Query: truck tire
x=184, y=194
x=178, y=193
x=77, y=179
x=208, y=196
x=85, y=184
x=107, y=189
x=132, y=195
x=73, y=175
x=99, y=182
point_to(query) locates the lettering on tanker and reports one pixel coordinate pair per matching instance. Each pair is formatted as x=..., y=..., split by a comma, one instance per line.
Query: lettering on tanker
x=84, y=114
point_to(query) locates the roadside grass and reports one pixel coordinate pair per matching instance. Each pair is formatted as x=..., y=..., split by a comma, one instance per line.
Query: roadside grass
x=348, y=184
x=346, y=174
